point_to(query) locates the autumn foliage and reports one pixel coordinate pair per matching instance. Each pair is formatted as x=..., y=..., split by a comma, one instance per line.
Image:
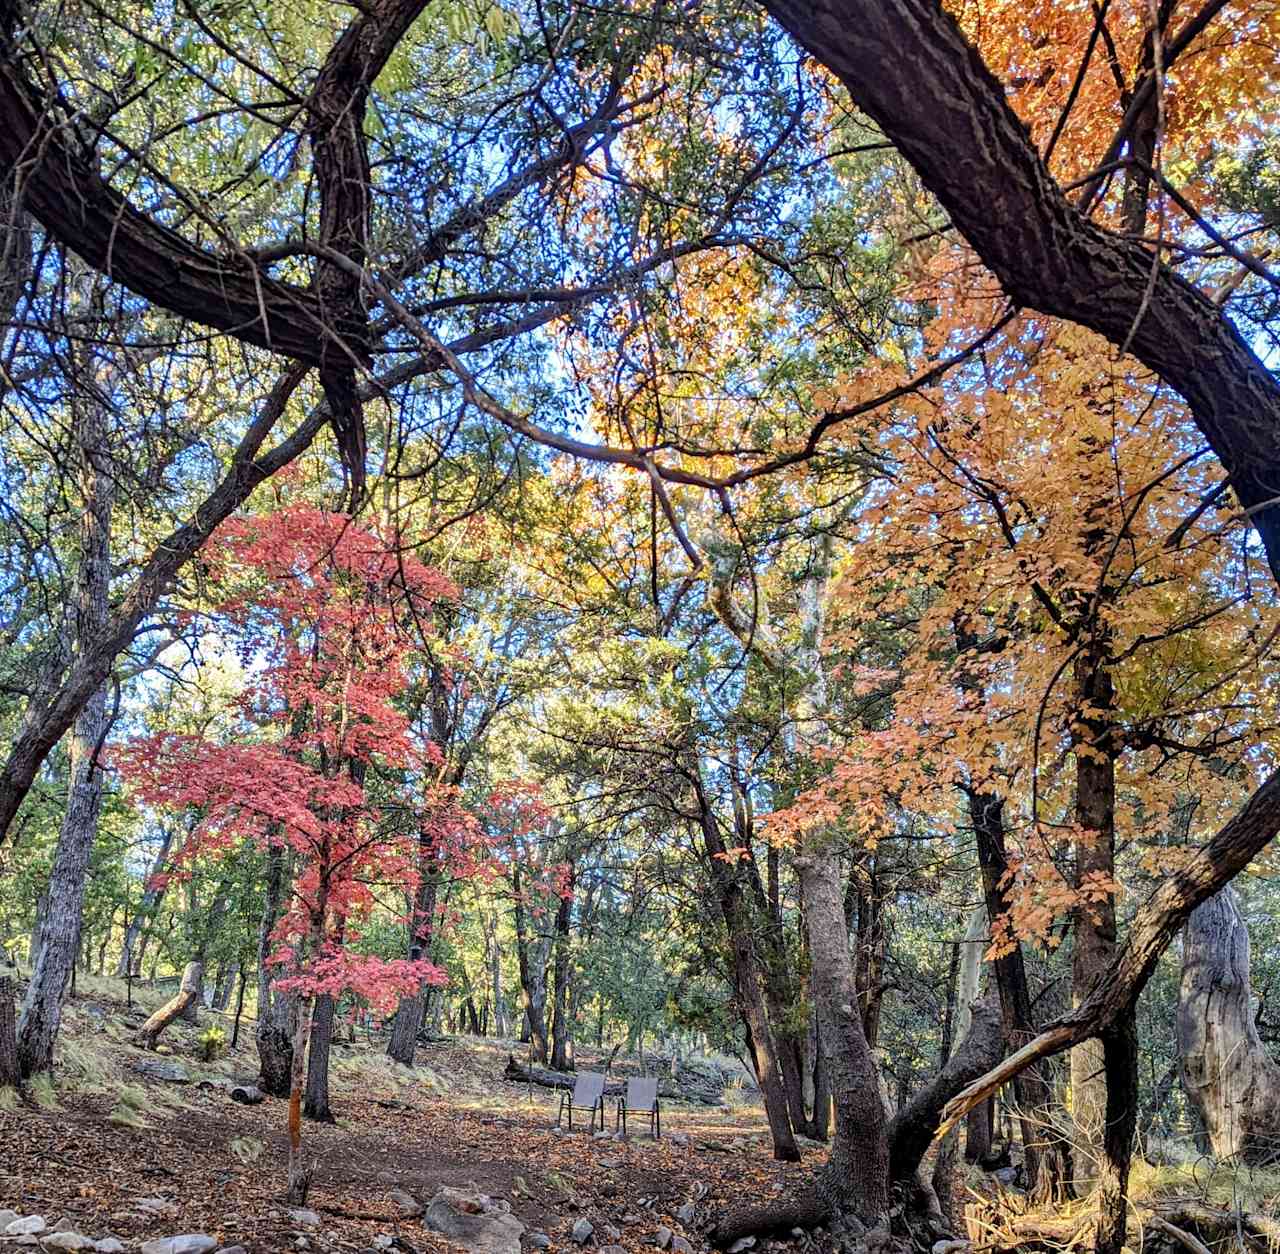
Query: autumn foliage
x=324, y=614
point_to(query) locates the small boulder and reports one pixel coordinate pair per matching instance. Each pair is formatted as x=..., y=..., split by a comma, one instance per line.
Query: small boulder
x=539, y=1240
x=680, y=1246
x=156, y=1069
x=582, y=1231
x=741, y=1244
x=233, y=1249
x=7, y=1217
x=946, y=1246
x=662, y=1238
x=405, y=1203
x=109, y=1245
x=679, y=1138
x=305, y=1218
x=28, y=1227
x=247, y=1095
x=383, y=1241
x=612, y=1249
x=609, y=1164
x=687, y=1213
x=473, y=1221
x=69, y=1241
x=187, y=1243
x=610, y=1233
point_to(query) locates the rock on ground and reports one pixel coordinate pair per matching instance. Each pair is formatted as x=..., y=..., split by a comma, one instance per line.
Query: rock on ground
x=68, y=1241
x=184, y=1243
x=474, y=1221
x=581, y=1231
x=27, y=1227
x=155, y=1069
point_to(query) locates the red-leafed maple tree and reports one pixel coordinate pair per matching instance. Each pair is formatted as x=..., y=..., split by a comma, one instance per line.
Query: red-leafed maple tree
x=324, y=613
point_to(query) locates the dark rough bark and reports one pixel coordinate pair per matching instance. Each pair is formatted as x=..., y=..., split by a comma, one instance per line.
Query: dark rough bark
x=1094, y=924
x=316, y=1099
x=1120, y=1060
x=188, y=991
x=531, y=957
x=276, y=1011
x=1046, y=1154
x=10, y=1071
x=561, y=1025
x=1230, y=1077
x=907, y=64
x=60, y=933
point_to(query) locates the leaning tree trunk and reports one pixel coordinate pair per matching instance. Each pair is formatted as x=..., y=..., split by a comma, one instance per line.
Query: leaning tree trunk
x=60, y=928
x=1229, y=1076
x=188, y=991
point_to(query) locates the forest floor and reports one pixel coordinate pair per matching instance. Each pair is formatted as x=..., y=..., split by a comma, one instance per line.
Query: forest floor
x=108, y=1152
x=103, y=1150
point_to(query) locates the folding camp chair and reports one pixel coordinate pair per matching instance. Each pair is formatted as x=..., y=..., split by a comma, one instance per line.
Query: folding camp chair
x=587, y=1094
x=641, y=1097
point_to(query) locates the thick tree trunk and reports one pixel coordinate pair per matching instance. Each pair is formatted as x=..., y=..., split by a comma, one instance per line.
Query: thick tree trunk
x=188, y=991
x=10, y=1071
x=277, y=1012
x=903, y=1141
x=856, y=1178
x=316, y=1103
x=60, y=931
x=1230, y=1077
x=1104, y=1072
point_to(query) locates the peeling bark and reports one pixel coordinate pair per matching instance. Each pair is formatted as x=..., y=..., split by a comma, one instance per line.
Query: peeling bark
x=1228, y=1074
x=188, y=991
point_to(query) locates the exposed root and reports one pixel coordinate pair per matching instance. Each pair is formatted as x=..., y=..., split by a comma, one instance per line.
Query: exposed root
x=805, y=1210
